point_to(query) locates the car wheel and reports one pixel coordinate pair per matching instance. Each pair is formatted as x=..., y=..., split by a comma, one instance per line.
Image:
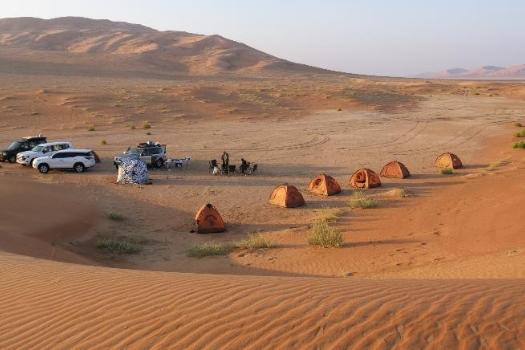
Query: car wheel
x=79, y=167
x=31, y=163
x=12, y=159
x=43, y=168
x=159, y=163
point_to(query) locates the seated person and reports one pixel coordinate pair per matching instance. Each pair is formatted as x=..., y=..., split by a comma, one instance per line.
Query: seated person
x=244, y=165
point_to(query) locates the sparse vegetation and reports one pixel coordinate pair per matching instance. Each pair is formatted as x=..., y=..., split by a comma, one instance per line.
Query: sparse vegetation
x=132, y=127
x=520, y=133
x=255, y=241
x=146, y=125
x=519, y=125
x=119, y=246
x=91, y=128
x=323, y=235
x=103, y=142
x=494, y=165
x=447, y=171
x=148, y=133
x=209, y=249
x=398, y=192
x=116, y=217
x=360, y=200
x=339, y=109
x=330, y=215
x=520, y=144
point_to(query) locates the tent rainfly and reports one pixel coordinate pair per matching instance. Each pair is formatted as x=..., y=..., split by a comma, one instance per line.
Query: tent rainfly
x=324, y=185
x=365, y=178
x=286, y=196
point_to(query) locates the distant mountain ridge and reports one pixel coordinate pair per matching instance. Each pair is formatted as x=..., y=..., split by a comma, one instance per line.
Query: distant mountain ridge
x=77, y=41
x=485, y=72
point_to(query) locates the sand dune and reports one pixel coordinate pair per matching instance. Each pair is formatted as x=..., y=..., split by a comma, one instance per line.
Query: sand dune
x=516, y=71
x=71, y=306
x=138, y=46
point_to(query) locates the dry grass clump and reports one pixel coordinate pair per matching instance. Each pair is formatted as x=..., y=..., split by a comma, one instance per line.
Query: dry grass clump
x=209, y=249
x=132, y=127
x=119, y=246
x=360, y=200
x=447, y=171
x=520, y=144
x=255, y=241
x=519, y=125
x=146, y=125
x=91, y=128
x=494, y=165
x=330, y=215
x=323, y=235
x=397, y=192
x=103, y=142
x=116, y=217
x=520, y=133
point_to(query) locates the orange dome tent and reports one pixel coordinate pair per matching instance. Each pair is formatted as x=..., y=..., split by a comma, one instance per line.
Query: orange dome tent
x=324, y=185
x=208, y=220
x=448, y=160
x=286, y=196
x=395, y=169
x=365, y=178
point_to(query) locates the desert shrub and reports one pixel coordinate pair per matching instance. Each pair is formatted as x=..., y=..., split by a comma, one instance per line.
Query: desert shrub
x=116, y=217
x=209, y=249
x=119, y=246
x=148, y=133
x=132, y=127
x=519, y=125
x=91, y=128
x=330, y=215
x=520, y=144
x=447, y=171
x=146, y=125
x=103, y=142
x=323, y=235
x=360, y=200
x=339, y=109
x=397, y=192
x=255, y=241
x=494, y=165
x=520, y=133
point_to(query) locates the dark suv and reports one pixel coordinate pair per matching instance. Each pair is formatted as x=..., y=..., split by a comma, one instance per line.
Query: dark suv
x=151, y=153
x=20, y=145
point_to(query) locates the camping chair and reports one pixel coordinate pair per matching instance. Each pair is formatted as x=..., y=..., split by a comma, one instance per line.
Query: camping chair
x=224, y=169
x=244, y=167
x=252, y=168
x=212, y=165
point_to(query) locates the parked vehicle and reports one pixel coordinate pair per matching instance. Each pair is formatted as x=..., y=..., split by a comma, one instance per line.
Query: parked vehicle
x=73, y=159
x=20, y=145
x=45, y=149
x=151, y=153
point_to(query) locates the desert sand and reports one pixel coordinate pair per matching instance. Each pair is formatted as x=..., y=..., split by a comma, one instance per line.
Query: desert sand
x=441, y=268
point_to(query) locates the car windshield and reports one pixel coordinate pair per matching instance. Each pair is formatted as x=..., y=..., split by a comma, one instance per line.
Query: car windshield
x=13, y=146
x=38, y=149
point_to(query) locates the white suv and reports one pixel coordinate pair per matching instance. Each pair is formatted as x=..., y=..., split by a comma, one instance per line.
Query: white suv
x=74, y=159
x=45, y=149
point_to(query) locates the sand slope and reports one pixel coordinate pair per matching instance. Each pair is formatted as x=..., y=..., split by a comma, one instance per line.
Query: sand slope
x=116, y=43
x=69, y=306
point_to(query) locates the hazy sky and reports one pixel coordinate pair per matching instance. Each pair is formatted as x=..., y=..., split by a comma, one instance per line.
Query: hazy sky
x=391, y=37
